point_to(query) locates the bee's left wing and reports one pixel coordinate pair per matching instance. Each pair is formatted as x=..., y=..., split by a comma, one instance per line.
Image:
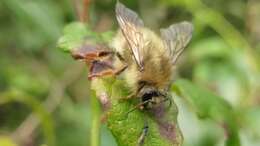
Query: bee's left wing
x=176, y=37
x=131, y=25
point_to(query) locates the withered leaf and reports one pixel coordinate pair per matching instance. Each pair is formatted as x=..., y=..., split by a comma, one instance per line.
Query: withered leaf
x=90, y=52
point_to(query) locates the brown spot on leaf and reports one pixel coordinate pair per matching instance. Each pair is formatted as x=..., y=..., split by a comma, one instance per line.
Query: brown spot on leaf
x=106, y=104
x=166, y=126
x=168, y=131
x=105, y=101
x=159, y=111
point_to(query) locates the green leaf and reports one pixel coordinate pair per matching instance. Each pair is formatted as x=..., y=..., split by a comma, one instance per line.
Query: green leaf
x=73, y=37
x=229, y=81
x=208, y=105
x=77, y=33
x=37, y=23
x=251, y=120
x=127, y=128
x=210, y=47
x=73, y=123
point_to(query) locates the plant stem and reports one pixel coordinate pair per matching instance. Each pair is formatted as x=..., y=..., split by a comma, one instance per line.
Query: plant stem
x=85, y=11
x=95, y=126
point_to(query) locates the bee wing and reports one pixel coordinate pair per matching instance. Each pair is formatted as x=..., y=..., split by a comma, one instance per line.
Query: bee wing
x=131, y=25
x=176, y=37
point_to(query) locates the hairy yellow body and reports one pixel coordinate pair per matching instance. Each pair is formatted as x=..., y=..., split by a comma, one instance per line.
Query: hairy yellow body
x=157, y=62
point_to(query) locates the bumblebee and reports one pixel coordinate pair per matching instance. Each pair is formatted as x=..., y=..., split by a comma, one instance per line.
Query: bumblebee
x=148, y=59
x=144, y=59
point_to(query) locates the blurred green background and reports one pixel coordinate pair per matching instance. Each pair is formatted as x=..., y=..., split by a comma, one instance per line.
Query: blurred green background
x=44, y=93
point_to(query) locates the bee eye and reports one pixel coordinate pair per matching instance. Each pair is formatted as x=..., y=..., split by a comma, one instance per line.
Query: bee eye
x=149, y=95
x=142, y=82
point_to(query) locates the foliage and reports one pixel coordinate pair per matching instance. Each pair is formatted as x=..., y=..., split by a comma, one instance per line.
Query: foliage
x=207, y=105
x=127, y=128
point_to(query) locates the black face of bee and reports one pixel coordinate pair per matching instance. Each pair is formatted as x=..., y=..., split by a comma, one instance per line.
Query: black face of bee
x=150, y=99
x=149, y=96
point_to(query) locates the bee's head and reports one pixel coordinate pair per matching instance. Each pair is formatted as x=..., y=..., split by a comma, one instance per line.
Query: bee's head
x=150, y=96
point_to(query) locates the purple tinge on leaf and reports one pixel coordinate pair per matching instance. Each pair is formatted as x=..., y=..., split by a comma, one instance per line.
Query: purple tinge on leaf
x=104, y=100
x=167, y=126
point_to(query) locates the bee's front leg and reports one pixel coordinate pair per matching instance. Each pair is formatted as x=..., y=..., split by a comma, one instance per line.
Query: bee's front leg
x=169, y=98
x=120, y=70
x=131, y=95
x=135, y=93
x=144, y=134
x=122, y=60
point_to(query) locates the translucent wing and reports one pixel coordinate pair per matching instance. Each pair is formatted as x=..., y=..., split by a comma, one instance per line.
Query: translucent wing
x=176, y=37
x=131, y=25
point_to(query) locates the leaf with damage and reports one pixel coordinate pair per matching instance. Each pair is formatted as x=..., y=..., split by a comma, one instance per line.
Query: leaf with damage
x=127, y=127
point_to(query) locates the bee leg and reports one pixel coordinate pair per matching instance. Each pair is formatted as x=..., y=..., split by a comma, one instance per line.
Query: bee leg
x=138, y=90
x=167, y=98
x=134, y=94
x=120, y=70
x=170, y=101
x=144, y=134
x=130, y=96
x=140, y=105
x=120, y=57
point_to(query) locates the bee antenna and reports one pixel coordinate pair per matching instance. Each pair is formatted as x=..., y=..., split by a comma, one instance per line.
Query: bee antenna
x=137, y=106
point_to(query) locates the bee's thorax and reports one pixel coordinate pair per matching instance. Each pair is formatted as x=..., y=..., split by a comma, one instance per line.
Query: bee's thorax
x=157, y=67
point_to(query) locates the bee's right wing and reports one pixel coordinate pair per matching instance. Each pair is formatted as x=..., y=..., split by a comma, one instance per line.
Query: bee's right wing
x=176, y=37
x=131, y=25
